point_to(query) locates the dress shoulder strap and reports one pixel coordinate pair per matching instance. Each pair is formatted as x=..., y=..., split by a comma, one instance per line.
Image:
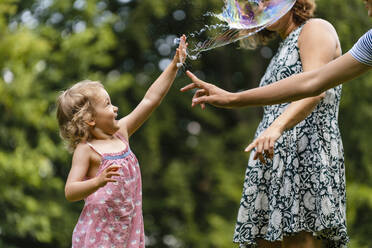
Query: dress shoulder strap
x=94, y=149
x=121, y=137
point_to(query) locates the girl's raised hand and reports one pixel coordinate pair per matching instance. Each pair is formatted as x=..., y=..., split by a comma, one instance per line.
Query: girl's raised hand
x=181, y=52
x=106, y=175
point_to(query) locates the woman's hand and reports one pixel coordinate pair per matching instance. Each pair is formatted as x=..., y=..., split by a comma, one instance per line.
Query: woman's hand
x=208, y=93
x=264, y=143
x=106, y=175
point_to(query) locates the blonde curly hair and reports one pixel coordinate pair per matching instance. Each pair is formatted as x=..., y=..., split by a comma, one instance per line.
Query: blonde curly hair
x=74, y=110
x=302, y=11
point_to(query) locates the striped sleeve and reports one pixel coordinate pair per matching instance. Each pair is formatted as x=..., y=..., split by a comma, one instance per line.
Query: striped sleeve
x=362, y=50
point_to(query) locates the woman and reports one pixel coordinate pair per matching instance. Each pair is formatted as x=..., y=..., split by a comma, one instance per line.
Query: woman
x=298, y=198
x=352, y=64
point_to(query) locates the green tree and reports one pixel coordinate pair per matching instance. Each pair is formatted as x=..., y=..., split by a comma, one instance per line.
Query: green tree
x=192, y=160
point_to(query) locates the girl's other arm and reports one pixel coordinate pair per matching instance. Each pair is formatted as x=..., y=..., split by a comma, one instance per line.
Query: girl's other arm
x=77, y=187
x=154, y=94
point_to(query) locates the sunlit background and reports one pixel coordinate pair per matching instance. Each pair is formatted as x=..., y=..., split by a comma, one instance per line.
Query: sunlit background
x=192, y=161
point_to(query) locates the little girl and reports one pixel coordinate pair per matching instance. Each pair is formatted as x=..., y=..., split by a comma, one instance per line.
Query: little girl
x=105, y=172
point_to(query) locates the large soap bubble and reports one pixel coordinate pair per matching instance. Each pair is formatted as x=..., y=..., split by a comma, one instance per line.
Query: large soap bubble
x=239, y=20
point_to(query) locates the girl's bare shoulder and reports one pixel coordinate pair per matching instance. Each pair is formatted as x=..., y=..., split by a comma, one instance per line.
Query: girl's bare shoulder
x=83, y=151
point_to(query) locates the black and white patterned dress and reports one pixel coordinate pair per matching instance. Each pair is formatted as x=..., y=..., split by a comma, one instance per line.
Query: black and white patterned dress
x=303, y=187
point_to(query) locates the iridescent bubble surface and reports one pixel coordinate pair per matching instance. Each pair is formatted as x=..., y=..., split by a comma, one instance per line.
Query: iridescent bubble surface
x=239, y=20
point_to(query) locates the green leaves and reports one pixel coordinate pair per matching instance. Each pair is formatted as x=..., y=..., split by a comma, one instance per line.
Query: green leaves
x=192, y=161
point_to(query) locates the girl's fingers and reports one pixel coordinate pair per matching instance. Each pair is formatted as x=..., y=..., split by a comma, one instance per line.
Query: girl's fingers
x=112, y=168
x=112, y=174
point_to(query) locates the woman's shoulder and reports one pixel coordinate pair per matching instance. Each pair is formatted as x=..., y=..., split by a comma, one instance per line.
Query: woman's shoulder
x=318, y=31
x=318, y=26
x=318, y=22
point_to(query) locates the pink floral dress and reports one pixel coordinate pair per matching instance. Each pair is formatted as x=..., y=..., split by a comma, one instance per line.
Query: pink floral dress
x=112, y=216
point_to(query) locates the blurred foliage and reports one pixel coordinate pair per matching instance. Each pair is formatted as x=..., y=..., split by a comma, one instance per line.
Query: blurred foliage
x=192, y=160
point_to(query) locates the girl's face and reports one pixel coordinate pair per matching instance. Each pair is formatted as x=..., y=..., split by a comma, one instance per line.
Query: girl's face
x=368, y=4
x=105, y=113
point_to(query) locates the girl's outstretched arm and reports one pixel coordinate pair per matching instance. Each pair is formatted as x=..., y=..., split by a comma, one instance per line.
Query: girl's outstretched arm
x=296, y=87
x=155, y=93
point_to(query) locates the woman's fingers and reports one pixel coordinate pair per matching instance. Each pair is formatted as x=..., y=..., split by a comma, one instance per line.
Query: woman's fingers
x=261, y=158
x=260, y=150
x=258, y=153
x=197, y=95
x=188, y=87
x=201, y=100
x=250, y=146
x=259, y=147
x=271, y=148
x=266, y=147
x=198, y=83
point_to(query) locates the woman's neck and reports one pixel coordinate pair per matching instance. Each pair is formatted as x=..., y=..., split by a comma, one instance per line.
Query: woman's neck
x=287, y=29
x=285, y=25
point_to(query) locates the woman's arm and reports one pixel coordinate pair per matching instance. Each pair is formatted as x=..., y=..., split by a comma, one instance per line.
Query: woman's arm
x=77, y=187
x=301, y=85
x=154, y=94
x=293, y=88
